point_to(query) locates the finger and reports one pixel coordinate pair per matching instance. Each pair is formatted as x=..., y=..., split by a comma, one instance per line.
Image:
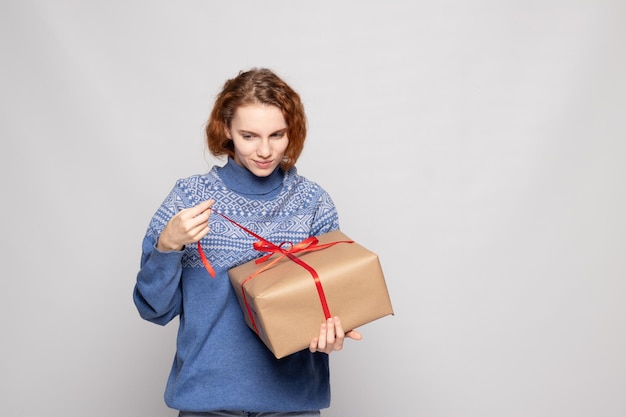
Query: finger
x=201, y=209
x=353, y=334
x=207, y=210
x=321, y=343
x=338, y=327
x=199, y=232
x=313, y=345
x=330, y=334
x=338, y=334
x=206, y=206
x=196, y=217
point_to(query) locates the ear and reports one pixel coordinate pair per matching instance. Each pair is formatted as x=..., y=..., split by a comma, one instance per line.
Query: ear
x=227, y=132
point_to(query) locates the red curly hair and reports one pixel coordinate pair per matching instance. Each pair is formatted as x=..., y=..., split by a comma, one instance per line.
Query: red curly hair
x=257, y=86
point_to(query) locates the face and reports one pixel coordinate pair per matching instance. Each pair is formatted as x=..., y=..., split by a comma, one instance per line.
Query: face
x=259, y=133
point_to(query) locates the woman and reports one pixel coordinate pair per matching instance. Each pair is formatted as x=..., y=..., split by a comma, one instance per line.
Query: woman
x=222, y=367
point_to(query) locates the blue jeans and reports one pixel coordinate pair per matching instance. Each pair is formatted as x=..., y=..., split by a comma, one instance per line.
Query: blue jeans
x=227, y=413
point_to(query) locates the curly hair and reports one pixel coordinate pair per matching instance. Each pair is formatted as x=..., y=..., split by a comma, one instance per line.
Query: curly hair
x=257, y=86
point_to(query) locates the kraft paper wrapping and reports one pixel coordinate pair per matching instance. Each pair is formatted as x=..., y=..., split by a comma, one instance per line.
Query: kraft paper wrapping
x=284, y=301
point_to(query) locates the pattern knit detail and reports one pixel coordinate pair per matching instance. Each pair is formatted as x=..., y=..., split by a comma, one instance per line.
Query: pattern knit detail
x=286, y=218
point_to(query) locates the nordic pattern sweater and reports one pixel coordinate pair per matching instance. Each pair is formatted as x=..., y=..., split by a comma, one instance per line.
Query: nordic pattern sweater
x=220, y=364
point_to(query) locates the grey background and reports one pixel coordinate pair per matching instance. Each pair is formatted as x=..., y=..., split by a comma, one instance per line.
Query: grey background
x=477, y=146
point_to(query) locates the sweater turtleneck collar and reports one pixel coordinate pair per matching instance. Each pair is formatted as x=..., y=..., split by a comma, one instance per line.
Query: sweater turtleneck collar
x=242, y=181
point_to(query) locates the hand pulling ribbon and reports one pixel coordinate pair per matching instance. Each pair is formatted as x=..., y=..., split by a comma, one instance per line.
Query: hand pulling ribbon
x=263, y=245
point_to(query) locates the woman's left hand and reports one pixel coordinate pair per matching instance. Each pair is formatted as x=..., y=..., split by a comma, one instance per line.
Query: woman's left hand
x=332, y=336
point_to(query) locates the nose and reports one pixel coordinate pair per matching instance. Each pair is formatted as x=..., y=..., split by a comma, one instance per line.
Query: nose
x=264, y=150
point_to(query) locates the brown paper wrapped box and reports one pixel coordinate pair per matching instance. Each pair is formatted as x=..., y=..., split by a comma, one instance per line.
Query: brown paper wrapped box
x=285, y=303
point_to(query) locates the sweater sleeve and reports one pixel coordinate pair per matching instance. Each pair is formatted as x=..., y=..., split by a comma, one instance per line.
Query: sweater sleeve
x=157, y=293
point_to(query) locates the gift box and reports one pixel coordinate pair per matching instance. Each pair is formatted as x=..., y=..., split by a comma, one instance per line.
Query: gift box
x=287, y=296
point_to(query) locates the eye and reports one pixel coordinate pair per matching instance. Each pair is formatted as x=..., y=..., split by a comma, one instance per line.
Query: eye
x=246, y=136
x=278, y=135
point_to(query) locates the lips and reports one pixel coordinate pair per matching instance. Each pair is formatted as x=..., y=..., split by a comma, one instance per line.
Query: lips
x=263, y=164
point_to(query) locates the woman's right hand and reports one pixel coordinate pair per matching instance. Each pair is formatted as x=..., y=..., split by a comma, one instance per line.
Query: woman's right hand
x=187, y=226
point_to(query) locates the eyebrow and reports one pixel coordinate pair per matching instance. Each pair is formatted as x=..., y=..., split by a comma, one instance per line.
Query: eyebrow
x=242, y=131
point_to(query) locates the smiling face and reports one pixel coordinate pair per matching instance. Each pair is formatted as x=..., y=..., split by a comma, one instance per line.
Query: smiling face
x=259, y=135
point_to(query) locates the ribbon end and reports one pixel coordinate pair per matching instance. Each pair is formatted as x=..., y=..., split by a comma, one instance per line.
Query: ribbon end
x=205, y=261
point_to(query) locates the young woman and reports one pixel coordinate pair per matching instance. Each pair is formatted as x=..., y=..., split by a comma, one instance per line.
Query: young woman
x=221, y=367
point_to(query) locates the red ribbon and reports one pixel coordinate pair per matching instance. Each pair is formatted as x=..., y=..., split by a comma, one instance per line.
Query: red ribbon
x=309, y=244
x=205, y=261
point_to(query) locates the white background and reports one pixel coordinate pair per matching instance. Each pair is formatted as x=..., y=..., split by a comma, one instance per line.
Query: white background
x=478, y=146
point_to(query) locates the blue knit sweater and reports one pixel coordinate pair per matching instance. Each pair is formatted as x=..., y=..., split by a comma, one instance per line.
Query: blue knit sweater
x=220, y=363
